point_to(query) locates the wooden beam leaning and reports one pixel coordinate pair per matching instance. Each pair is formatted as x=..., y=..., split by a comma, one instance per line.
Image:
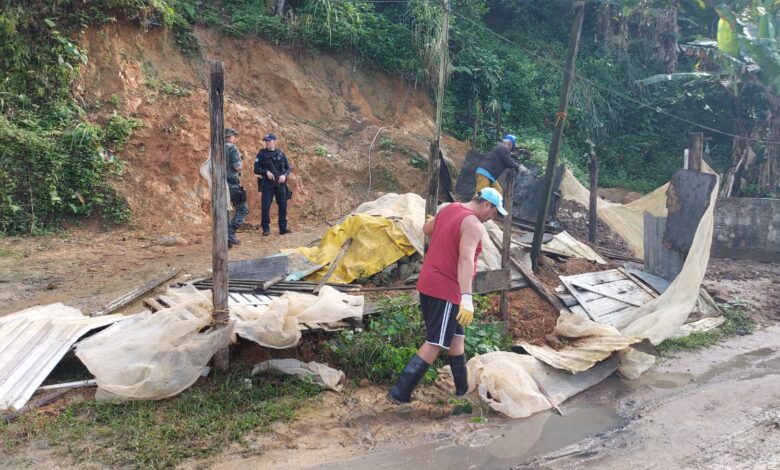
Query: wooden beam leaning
x=134, y=294
x=560, y=121
x=219, y=206
x=336, y=261
x=593, y=218
x=506, y=243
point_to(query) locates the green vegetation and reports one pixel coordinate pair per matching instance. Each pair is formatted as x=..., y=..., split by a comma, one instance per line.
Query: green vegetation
x=393, y=336
x=320, y=151
x=386, y=144
x=199, y=422
x=636, y=97
x=54, y=163
x=737, y=322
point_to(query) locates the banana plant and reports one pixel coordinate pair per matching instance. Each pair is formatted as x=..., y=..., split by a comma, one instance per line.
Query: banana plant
x=747, y=51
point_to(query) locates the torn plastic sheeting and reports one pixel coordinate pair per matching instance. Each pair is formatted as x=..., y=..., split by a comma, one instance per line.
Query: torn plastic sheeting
x=153, y=356
x=509, y=382
x=276, y=325
x=663, y=316
x=376, y=243
x=313, y=372
x=568, y=245
x=627, y=220
x=590, y=344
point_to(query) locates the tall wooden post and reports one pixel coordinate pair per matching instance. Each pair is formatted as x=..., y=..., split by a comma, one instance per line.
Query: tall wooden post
x=593, y=218
x=433, y=160
x=695, y=149
x=219, y=206
x=506, y=243
x=555, y=144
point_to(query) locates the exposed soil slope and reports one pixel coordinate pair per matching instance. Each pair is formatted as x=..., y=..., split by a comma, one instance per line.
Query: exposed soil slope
x=324, y=109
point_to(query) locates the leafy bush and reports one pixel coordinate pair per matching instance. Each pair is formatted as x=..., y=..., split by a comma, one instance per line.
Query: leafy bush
x=54, y=163
x=386, y=143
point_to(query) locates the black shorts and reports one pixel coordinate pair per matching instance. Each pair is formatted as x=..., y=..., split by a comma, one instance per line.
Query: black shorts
x=440, y=324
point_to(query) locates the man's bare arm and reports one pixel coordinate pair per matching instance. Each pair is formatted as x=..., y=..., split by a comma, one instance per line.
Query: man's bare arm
x=471, y=231
x=428, y=226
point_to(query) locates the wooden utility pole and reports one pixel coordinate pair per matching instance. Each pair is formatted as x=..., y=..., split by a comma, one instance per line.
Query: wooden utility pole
x=506, y=243
x=695, y=149
x=555, y=144
x=593, y=218
x=219, y=207
x=433, y=161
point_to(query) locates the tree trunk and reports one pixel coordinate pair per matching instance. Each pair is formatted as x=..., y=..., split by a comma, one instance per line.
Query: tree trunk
x=279, y=7
x=739, y=152
x=769, y=177
x=667, y=30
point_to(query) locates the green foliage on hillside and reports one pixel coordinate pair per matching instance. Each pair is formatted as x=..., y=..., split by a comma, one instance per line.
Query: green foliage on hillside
x=54, y=163
x=504, y=76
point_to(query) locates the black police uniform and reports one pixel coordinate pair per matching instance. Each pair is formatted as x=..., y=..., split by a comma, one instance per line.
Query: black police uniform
x=276, y=162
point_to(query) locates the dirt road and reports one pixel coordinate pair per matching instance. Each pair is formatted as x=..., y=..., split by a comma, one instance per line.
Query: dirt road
x=715, y=408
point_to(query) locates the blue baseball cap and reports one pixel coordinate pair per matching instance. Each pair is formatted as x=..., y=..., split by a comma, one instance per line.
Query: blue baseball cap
x=269, y=137
x=493, y=197
x=511, y=138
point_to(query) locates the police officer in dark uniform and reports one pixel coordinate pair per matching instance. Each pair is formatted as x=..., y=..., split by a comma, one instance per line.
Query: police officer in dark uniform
x=237, y=194
x=272, y=169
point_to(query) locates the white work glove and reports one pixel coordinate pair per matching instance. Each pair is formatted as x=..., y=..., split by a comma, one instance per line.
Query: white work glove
x=466, y=310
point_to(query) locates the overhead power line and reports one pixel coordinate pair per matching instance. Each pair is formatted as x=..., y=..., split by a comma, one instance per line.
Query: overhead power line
x=612, y=91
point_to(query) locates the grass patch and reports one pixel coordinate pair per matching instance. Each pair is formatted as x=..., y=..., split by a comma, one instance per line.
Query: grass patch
x=381, y=352
x=738, y=322
x=199, y=422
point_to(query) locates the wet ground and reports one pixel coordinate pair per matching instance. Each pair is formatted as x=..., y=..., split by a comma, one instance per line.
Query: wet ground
x=718, y=407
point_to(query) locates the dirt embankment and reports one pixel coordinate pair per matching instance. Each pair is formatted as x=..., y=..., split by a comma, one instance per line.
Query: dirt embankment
x=325, y=111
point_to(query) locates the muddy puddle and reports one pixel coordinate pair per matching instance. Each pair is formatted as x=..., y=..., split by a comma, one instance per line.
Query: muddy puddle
x=500, y=447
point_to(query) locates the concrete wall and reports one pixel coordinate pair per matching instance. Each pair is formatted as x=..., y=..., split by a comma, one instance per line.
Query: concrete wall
x=747, y=228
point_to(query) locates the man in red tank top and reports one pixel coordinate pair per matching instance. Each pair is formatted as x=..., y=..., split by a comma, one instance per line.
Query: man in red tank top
x=445, y=288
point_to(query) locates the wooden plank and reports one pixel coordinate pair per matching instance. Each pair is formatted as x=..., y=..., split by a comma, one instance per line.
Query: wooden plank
x=507, y=242
x=153, y=304
x=578, y=310
x=219, y=205
x=605, y=305
x=134, y=294
x=344, y=247
x=639, y=282
x=491, y=281
x=576, y=295
x=38, y=403
x=598, y=277
x=607, y=292
x=273, y=281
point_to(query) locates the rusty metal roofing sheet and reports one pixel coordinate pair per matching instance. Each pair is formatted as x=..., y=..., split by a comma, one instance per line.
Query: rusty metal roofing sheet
x=32, y=343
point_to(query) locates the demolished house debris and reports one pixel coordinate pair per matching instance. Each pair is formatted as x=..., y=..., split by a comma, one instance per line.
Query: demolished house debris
x=602, y=314
x=32, y=343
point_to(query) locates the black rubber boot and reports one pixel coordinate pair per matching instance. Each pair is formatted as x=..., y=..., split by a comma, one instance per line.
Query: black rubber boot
x=410, y=377
x=459, y=374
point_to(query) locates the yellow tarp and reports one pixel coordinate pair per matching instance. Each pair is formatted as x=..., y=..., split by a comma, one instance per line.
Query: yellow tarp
x=376, y=243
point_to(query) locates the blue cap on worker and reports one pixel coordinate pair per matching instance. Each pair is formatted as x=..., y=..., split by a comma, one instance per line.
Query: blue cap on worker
x=269, y=137
x=493, y=197
x=511, y=138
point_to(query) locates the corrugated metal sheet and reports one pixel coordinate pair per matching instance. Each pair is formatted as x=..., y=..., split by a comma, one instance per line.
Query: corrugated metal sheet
x=32, y=343
x=236, y=298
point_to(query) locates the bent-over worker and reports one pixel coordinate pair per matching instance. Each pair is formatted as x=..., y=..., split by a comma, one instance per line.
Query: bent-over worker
x=445, y=288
